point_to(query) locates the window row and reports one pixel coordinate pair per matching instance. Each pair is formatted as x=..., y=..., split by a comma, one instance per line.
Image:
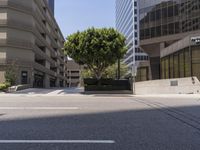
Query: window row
x=184, y=63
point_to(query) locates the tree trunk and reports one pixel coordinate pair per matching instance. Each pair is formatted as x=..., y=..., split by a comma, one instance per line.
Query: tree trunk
x=118, y=70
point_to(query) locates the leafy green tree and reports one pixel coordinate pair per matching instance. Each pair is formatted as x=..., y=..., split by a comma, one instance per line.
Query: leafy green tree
x=11, y=74
x=86, y=73
x=110, y=72
x=96, y=48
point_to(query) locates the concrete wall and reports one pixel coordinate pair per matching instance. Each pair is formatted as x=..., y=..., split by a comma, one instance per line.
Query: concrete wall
x=181, y=86
x=31, y=38
x=2, y=79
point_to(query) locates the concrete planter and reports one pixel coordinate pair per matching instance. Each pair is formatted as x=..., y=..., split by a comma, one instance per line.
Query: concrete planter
x=107, y=86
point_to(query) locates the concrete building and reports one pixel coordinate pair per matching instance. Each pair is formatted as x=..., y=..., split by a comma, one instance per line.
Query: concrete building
x=51, y=4
x=167, y=31
x=73, y=74
x=30, y=40
x=127, y=22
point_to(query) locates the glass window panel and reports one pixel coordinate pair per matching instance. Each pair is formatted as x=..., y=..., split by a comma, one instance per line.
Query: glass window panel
x=187, y=63
x=163, y=68
x=167, y=68
x=196, y=54
x=176, y=69
x=181, y=65
x=171, y=66
x=196, y=70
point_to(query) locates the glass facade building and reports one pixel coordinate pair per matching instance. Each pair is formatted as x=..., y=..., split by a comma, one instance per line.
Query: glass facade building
x=127, y=23
x=164, y=23
x=184, y=62
x=168, y=17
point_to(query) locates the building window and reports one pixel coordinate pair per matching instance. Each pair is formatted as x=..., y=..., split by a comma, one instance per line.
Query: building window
x=136, y=34
x=136, y=42
x=24, y=77
x=135, y=19
x=135, y=4
x=136, y=27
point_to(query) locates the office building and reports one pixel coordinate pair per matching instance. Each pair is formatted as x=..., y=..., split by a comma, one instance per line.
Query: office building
x=169, y=33
x=31, y=41
x=127, y=23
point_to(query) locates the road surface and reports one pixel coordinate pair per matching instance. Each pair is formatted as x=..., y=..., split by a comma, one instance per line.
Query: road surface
x=99, y=122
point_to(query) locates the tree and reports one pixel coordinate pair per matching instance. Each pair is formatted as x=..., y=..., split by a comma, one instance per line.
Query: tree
x=96, y=48
x=110, y=72
x=11, y=73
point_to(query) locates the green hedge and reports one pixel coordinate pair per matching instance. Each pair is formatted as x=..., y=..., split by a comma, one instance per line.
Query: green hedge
x=4, y=86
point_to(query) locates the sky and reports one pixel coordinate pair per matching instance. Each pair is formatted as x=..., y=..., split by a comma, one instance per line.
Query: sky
x=74, y=15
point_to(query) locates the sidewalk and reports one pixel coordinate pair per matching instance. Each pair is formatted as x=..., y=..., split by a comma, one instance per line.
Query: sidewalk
x=170, y=96
x=47, y=92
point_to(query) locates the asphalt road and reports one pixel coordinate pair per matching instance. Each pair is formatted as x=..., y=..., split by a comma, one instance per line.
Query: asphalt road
x=103, y=122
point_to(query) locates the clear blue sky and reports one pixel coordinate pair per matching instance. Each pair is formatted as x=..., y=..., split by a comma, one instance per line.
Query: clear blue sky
x=73, y=15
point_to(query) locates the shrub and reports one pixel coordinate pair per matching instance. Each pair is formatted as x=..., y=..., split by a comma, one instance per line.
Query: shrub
x=4, y=86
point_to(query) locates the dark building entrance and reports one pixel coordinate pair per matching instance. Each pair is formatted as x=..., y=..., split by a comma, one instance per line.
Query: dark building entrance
x=38, y=80
x=24, y=77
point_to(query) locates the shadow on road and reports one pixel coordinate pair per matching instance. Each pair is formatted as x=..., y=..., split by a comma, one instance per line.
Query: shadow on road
x=163, y=129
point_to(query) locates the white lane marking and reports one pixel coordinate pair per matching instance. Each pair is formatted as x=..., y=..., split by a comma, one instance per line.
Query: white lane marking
x=39, y=108
x=57, y=142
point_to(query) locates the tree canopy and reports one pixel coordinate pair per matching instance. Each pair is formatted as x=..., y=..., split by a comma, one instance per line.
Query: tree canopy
x=110, y=72
x=96, y=48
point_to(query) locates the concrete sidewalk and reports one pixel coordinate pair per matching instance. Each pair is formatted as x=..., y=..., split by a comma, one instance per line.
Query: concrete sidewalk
x=47, y=92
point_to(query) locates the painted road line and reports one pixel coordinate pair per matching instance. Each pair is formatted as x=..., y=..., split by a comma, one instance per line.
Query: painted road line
x=57, y=142
x=39, y=108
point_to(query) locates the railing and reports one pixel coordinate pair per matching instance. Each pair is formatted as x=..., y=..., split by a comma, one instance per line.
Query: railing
x=3, y=22
x=20, y=43
x=43, y=69
x=12, y=3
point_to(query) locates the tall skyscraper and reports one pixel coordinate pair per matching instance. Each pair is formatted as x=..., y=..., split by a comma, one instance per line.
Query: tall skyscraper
x=52, y=5
x=127, y=23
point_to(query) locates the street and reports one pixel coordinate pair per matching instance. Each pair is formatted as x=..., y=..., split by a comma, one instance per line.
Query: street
x=99, y=122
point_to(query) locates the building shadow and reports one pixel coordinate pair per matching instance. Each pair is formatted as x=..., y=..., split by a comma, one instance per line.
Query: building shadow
x=148, y=129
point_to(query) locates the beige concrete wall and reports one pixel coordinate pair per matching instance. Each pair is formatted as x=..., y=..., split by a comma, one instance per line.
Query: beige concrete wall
x=20, y=54
x=71, y=65
x=20, y=36
x=179, y=45
x=2, y=54
x=2, y=79
x=3, y=14
x=185, y=86
x=20, y=17
x=22, y=33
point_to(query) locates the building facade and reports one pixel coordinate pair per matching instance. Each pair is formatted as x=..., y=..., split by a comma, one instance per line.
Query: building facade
x=181, y=59
x=164, y=23
x=127, y=23
x=31, y=43
x=52, y=5
x=73, y=74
